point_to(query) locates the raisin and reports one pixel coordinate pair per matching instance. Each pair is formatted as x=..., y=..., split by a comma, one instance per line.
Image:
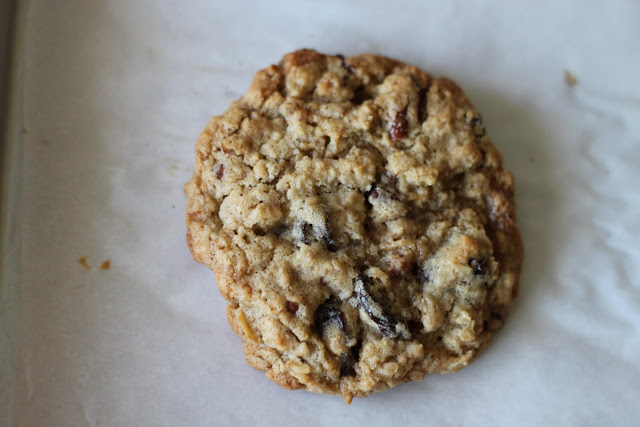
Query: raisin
x=220, y=172
x=478, y=126
x=399, y=126
x=400, y=268
x=350, y=359
x=347, y=369
x=367, y=203
x=397, y=270
x=416, y=270
x=382, y=194
x=282, y=228
x=422, y=106
x=478, y=265
x=385, y=322
x=328, y=237
x=344, y=64
x=327, y=312
x=305, y=230
x=391, y=177
x=361, y=95
x=292, y=306
x=415, y=326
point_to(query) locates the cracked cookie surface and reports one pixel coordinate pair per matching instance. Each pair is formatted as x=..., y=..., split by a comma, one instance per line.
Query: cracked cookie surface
x=358, y=221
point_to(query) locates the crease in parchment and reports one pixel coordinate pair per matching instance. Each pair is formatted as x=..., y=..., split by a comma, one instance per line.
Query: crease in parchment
x=618, y=110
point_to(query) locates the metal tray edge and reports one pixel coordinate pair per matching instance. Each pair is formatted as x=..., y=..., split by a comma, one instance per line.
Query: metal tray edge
x=11, y=164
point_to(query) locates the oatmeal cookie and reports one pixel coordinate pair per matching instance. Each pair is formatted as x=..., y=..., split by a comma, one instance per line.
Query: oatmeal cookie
x=358, y=221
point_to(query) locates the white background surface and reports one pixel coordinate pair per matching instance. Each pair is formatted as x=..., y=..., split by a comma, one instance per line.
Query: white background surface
x=116, y=94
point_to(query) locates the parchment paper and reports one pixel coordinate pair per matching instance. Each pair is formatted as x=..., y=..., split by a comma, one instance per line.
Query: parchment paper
x=116, y=94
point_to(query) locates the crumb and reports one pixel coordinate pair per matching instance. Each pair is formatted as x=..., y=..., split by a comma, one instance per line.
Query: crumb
x=532, y=159
x=106, y=265
x=173, y=206
x=44, y=142
x=569, y=79
x=83, y=262
x=171, y=170
x=24, y=131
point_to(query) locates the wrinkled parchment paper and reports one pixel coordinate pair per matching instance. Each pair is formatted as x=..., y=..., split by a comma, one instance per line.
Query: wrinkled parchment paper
x=116, y=94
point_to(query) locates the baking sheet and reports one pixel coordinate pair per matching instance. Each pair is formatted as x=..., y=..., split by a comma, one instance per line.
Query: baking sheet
x=116, y=94
x=12, y=19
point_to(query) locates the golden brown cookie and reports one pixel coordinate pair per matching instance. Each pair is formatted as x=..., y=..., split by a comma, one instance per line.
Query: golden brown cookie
x=359, y=223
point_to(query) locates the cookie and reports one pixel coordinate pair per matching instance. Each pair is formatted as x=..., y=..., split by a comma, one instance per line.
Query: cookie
x=358, y=221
